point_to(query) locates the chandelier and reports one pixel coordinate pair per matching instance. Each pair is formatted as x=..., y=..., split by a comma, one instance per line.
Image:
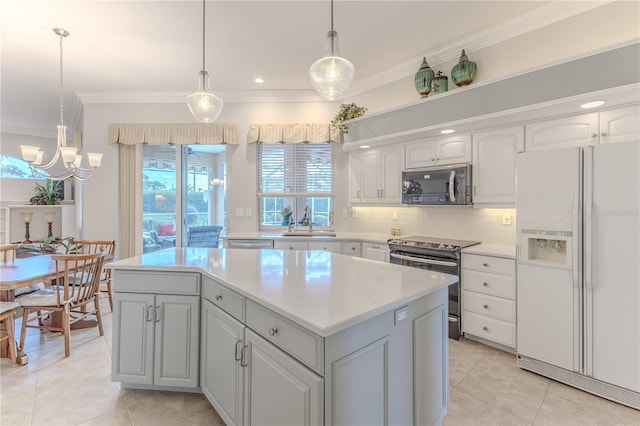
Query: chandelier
x=71, y=156
x=203, y=104
x=332, y=74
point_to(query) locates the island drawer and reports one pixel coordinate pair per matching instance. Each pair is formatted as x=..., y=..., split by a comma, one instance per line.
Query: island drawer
x=156, y=282
x=351, y=247
x=491, y=284
x=303, y=345
x=227, y=300
x=495, y=307
x=495, y=265
x=489, y=328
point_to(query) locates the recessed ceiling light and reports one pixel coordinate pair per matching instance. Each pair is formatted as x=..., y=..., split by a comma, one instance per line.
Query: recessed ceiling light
x=447, y=131
x=592, y=104
x=365, y=146
x=258, y=80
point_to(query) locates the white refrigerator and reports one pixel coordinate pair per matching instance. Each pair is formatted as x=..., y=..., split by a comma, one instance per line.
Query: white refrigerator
x=578, y=276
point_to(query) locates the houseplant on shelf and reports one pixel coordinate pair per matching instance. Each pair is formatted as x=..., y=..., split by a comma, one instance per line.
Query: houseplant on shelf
x=347, y=112
x=48, y=194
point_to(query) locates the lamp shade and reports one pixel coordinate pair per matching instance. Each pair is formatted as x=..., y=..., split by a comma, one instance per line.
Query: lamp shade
x=26, y=216
x=203, y=104
x=331, y=75
x=49, y=216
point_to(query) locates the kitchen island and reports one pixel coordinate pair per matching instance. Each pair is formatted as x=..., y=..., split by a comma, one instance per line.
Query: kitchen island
x=285, y=337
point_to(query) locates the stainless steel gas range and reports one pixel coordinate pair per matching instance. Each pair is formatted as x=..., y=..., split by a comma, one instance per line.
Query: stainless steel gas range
x=434, y=254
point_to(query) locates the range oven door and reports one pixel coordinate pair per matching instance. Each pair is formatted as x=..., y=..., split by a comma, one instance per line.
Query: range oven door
x=437, y=264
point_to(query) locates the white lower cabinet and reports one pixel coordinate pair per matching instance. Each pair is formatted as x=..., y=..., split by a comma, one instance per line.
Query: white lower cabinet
x=291, y=245
x=278, y=389
x=489, y=298
x=155, y=336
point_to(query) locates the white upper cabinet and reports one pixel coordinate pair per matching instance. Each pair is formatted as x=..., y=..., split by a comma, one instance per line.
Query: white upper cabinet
x=620, y=125
x=438, y=151
x=376, y=176
x=565, y=132
x=494, y=166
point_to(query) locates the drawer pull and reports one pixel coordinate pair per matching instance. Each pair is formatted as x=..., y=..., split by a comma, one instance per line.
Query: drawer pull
x=236, y=356
x=486, y=306
x=485, y=284
x=485, y=264
x=290, y=247
x=485, y=328
x=218, y=297
x=273, y=331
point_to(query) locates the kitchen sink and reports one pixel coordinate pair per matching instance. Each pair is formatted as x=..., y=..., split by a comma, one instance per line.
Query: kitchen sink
x=307, y=233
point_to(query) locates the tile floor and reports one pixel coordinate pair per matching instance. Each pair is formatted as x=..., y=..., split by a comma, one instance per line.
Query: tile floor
x=486, y=388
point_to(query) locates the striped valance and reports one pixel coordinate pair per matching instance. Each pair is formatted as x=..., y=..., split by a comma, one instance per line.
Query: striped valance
x=293, y=133
x=176, y=134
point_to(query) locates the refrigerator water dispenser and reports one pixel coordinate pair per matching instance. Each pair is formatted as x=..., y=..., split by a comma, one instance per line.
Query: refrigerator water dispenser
x=546, y=248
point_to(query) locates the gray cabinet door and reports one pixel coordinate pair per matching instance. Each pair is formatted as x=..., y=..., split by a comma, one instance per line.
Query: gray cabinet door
x=278, y=389
x=431, y=363
x=221, y=375
x=176, y=340
x=133, y=329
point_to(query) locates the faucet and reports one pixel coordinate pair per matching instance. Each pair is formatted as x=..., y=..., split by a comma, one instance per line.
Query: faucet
x=307, y=211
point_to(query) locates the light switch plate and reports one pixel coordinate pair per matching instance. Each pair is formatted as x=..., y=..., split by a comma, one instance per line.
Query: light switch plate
x=394, y=215
x=239, y=212
x=344, y=213
x=354, y=214
x=400, y=314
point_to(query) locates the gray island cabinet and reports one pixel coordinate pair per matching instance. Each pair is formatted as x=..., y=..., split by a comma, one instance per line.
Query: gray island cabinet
x=285, y=337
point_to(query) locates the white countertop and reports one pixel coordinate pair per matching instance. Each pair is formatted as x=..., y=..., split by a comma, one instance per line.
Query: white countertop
x=322, y=291
x=490, y=249
x=340, y=236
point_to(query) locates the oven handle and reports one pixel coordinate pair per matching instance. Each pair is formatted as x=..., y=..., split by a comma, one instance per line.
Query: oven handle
x=425, y=261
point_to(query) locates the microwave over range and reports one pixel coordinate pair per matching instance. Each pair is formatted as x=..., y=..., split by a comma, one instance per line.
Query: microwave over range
x=437, y=186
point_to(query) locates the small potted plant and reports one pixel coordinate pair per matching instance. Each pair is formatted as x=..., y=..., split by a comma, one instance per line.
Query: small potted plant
x=347, y=112
x=48, y=194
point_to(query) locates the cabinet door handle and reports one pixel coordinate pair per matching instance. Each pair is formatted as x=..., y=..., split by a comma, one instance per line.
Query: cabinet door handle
x=485, y=328
x=604, y=134
x=218, y=297
x=273, y=331
x=375, y=247
x=433, y=159
x=236, y=356
x=486, y=306
x=156, y=313
x=475, y=190
x=149, y=307
x=485, y=284
x=243, y=359
x=593, y=135
x=358, y=193
x=485, y=265
x=382, y=193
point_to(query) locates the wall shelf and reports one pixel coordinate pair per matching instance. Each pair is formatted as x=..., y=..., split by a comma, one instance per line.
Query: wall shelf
x=64, y=224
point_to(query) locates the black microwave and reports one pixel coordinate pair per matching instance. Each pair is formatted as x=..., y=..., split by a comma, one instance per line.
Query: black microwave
x=437, y=186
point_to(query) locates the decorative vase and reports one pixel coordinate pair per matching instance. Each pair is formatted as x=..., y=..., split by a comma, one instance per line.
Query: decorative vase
x=424, y=77
x=464, y=72
x=440, y=83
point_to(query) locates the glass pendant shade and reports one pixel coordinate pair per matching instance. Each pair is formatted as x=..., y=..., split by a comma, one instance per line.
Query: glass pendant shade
x=203, y=104
x=331, y=75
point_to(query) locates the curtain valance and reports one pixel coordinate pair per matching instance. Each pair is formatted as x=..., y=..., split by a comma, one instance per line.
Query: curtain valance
x=177, y=134
x=293, y=133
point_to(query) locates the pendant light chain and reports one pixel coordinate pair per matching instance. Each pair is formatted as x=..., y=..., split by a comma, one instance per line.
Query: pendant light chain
x=61, y=84
x=332, y=33
x=203, y=38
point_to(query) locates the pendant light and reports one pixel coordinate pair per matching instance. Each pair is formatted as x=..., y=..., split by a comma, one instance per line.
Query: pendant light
x=203, y=104
x=71, y=156
x=332, y=74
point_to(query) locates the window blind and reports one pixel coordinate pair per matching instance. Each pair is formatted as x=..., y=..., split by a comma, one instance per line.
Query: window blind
x=295, y=170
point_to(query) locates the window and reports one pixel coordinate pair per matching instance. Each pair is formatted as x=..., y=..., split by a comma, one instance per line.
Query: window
x=292, y=177
x=12, y=167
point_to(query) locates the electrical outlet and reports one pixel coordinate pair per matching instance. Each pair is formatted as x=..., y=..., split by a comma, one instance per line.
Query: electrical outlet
x=394, y=215
x=506, y=219
x=354, y=214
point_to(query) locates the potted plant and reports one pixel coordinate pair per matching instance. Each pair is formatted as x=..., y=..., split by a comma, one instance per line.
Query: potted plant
x=47, y=195
x=347, y=112
x=51, y=244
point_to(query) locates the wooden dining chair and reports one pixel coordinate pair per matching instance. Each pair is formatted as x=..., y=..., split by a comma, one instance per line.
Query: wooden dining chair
x=7, y=317
x=97, y=246
x=8, y=252
x=78, y=277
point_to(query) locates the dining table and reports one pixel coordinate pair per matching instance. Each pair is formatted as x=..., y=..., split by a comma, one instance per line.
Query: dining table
x=24, y=272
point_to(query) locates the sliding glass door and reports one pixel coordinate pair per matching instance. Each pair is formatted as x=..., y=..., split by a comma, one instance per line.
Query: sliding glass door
x=183, y=187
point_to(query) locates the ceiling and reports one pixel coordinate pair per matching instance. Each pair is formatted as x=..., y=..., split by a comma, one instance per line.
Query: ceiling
x=143, y=48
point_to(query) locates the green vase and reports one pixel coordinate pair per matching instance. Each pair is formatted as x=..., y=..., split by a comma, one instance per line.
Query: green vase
x=464, y=72
x=440, y=83
x=424, y=77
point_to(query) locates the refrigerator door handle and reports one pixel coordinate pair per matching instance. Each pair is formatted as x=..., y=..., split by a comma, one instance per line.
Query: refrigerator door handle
x=578, y=289
x=587, y=292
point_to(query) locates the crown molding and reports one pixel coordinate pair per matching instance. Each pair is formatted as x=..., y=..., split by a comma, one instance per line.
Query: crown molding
x=53, y=134
x=539, y=17
x=230, y=96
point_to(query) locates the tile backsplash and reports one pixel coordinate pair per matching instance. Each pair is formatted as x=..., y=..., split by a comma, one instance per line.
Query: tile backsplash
x=465, y=223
